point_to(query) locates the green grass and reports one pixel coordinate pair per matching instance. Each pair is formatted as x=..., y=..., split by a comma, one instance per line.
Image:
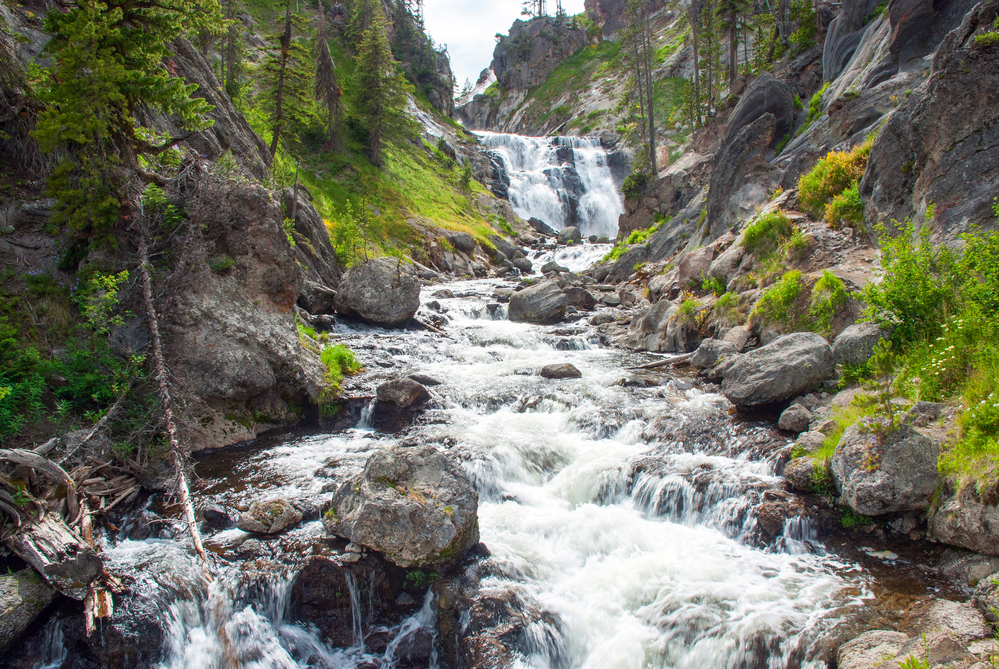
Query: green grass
x=828, y=296
x=764, y=235
x=777, y=304
x=573, y=74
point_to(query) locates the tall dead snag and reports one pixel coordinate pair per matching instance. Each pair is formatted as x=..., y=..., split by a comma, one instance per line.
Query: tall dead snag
x=179, y=461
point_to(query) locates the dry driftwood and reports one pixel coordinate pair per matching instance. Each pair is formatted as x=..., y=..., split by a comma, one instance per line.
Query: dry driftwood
x=183, y=491
x=675, y=361
x=58, y=554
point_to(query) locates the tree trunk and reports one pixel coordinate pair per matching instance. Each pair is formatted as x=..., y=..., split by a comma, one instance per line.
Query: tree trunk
x=57, y=553
x=696, y=98
x=279, y=97
x=159, y=365
x=733, y=49
x=650, y=93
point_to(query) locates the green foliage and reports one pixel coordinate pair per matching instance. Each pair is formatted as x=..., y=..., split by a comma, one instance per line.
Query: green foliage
x=222, y=264
x=989, y=37
x=822, y=480
x=777, y=305
x=852, y=520
x=831, y=176
x=107, y=63
x=815, y=104
x=921, y=285
x=828, y=295
x=418, y=579
x=713, y=285
x=765, y=234
x=687, y=312
x=634, y=184
x=339, y=361
x=846, y=208
x=728, y=310
x=797, y=244
x=882, y=414
x=379, y=94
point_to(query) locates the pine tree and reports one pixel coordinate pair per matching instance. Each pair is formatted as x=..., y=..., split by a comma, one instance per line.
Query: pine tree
x=288, y=91
x=729, y=12
x=327, y=90
x=639, y=40
x=109, y=61
x=379, y=96
x=233, y=53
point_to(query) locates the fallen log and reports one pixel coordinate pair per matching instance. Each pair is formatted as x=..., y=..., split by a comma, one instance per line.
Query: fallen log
x=58, y=553
x=675, y=361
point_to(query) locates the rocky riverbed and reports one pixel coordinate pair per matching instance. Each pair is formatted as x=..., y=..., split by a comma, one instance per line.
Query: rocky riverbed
x=624, y=517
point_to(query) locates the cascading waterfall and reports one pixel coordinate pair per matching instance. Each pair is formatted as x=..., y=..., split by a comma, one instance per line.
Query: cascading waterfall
x=561, y=180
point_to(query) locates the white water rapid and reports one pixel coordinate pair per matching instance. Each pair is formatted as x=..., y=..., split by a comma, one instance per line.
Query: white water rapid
x=620, y=512
x=561, y=180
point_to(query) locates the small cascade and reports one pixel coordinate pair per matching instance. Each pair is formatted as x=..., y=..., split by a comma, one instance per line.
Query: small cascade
x=564, y=181
x=366, y=413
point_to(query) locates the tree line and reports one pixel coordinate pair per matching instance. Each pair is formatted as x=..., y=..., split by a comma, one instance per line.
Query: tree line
x=764, y=31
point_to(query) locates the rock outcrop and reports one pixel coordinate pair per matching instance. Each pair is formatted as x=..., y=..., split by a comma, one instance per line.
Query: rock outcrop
x=787, y=367
x=413, y=505
x=941, y=146
x=24, y=595
x=544, y=304
x=886, y=473
x=383, y=291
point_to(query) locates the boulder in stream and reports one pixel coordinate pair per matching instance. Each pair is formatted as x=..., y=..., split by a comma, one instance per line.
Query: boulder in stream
x=413, y=505
x=383, y=291
x=570, y=235
x=403, y=392
x=23, y=596
x=269, y=517
x=563, y=370
x=787, y=367
x=544, y=304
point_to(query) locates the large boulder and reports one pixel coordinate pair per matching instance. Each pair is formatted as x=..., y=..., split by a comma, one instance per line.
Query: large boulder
x=565, y=370
x=795, y=419
x=886, y=473
x=787, y=367
x=383, y=291
x=694, y=267
x=710, y=351
x=269, y=517
x=800, y=473
x=411, y=504
x=570, y=235
x=967, y=519
x=766, y=95
x=987, y=597
x=855, y=344
x=23, y=596
x=462, y=241
x=403, y=392
x=544, y=304
x=624, y=267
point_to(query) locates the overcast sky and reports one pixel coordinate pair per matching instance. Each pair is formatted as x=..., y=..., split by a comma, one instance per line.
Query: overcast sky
x=468, y=28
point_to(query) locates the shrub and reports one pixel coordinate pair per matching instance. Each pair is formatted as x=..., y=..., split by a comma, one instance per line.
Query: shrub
x=845, y=208
x=687, y=313
x=828, y=295
x=222, y=264
x=714, y=285
x=777, y=304
x=634, y=184
x=920, y=285
x=766, y=233
x=815, y=104
x=797, y=244
x=831, y=176
x=727, y=309
x=339, y=361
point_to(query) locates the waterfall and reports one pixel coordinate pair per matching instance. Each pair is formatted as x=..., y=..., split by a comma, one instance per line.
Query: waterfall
x=563, y=181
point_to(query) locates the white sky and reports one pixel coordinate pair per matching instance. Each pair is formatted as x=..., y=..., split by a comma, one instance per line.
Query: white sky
x=468, y=28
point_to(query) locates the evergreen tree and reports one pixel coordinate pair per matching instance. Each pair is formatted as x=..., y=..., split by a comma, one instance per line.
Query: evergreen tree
x=379, y=96
x=639, y=40
x=288, y=81
x=729, y=12
x=327, y=89
x=233, y=53
x=109, y=60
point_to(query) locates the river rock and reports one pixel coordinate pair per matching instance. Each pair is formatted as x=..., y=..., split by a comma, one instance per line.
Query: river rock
x=795, y=419
x=541, y=227
x=383, y=291
x=552, y=266
x=870, y=650
x=503, y=247
x=709, y=352
x=217, y=517
x=963, y=518
x=425, y=380
x=987, y=597
x=579, y=298
x=563, y=370
x=411, y=504
x=544, y=304
x=524, y=265
x=269, y=517
x=23, y=596
x=855, y=345
x=810, y=441
x=570, y=234
x=321, y=595
x=800, y=472
x=462, y=241
x=886, y=473
x=960, y=619
x=787, y=367
x=403, y=392
x=624, y=267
